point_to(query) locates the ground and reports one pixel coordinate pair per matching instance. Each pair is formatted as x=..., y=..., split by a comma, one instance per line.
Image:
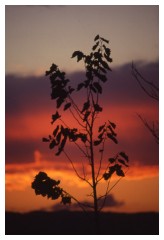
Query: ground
x=78, y=223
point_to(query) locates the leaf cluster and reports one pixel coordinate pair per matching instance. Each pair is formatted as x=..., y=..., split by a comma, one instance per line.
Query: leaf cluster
x=60, y=88
x=106, y=131
x=116, y=165
x=60, y=136
x=96, y=64
x=45, y=186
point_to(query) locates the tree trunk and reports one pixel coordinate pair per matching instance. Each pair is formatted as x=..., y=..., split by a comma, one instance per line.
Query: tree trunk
x=96, y=212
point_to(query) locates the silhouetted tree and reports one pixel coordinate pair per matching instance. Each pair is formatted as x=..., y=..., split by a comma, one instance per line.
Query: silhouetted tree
x=152, y=91
x=84, y=135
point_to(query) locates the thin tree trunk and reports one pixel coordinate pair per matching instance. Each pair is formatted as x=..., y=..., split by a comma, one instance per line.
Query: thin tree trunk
x=96, y=212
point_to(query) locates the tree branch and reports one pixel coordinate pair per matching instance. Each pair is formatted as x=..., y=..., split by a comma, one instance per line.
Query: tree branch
x=78, y=175
x=153, y=130
x=154, y=89
x=101, y=157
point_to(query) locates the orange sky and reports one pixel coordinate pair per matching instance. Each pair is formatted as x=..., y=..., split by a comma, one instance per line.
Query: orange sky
x=139, y=183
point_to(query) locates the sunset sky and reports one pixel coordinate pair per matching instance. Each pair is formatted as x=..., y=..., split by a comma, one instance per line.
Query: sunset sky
x=37, y=36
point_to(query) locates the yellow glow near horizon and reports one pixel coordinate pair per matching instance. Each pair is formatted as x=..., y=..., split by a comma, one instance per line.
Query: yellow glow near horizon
x=139, y=189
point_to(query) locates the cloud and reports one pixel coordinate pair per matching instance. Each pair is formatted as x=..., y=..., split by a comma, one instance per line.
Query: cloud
x=19, y=175
x=33, y=93
x=26, y=94
x=29, y=109
x=110, y=201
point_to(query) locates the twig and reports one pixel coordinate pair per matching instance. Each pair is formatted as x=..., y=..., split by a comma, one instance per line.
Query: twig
x=81, y=205
x=154, y=88
x=105, y=196
x=151, y=129
x=84, y=179
x=75, y=142
x=76, y=118
x=101, y=157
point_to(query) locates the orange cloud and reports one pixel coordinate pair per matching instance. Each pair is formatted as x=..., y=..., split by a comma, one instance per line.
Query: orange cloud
x=20, y=196
x=19, y=176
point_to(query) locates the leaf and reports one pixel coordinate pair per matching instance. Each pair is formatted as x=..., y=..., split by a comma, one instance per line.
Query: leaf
x=52, y=69
x=73, y=137
x=55, y=117
x=112, y=137
x=55, y=193
x=70, y=89
x=112, y=169
x=102, y=69
x=41, y=176
x=88, y=58
x=107, y=51
x=61, y=75
x=86, y=83
x=102, y=77
x=108, y=59
x=58, y=91
x=89, y=75
x=112, y=124
x=67, y=106
x=93, y=89
x=66, y=200
x=97, y=108
x=80, y=85
x=86, y=106
x=56, y=130
x=97, y=142
x=45, y=139
x=100, y=135
x=101, y=127
x=59, y=151
x=47, y=73
x=123, y=154
x=63, y=142
x=104, y=40
x=106, y=176
x=96, y=38
x=112, y=131
x=58, y=137
x=123, y=162
x=95, y=46
x=98, y=56
x=78, y=54
x=119, y=171
x=112, y=160
x=86, y=115
x=52, y=144
x=63, y=93
x=59, y=102
x=65, y=131
x=54, y=93
x=105, y=65
x=83, y=137
x=98, y=87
